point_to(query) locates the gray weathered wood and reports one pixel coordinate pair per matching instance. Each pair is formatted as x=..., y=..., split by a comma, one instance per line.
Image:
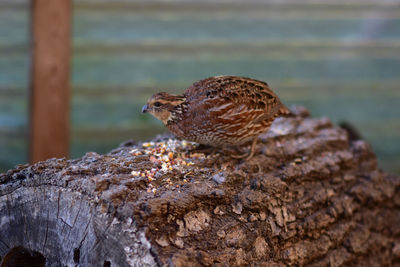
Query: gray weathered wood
x=310, y=196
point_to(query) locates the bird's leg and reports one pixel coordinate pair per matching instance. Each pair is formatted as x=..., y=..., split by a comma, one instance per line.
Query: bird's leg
x=253, y=148
x=251, y=154
x=205, y=149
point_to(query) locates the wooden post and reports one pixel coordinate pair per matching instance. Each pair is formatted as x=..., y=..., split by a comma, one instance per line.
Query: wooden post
x=49, y=103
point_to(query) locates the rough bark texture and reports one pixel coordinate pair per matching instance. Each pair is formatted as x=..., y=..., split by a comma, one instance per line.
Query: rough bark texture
x=310, y=196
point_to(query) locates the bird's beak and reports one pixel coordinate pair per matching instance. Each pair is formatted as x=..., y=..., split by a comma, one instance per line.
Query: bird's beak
x=145, y=108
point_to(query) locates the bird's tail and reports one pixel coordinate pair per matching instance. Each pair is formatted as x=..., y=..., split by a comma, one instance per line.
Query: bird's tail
x=285, y=112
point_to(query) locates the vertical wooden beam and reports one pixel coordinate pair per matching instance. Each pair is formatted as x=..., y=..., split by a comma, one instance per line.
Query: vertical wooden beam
x=49, y=107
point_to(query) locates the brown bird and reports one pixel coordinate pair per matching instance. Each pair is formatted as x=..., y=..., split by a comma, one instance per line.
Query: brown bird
x=219, y=111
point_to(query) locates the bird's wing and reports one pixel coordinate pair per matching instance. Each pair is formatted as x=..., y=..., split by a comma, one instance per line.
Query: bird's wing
x=235, y=94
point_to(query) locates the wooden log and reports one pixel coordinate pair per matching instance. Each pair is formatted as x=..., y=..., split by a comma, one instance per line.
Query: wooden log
x=49, y=110
x=310, y=196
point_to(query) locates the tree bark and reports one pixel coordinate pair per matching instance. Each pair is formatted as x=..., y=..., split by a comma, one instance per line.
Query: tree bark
x=310, y=196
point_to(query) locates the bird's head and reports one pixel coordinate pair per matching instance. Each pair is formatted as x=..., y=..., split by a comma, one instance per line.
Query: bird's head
x=162, y=106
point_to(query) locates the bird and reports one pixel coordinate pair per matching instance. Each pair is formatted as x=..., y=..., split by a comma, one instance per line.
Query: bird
x=219, y=111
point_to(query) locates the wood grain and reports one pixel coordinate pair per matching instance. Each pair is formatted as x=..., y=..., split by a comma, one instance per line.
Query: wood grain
x=49, y=136
x=309, y=197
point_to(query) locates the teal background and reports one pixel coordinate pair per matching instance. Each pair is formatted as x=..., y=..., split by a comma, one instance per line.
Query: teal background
x=340, y=59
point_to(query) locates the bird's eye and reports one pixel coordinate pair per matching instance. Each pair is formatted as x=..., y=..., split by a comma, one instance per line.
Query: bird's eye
x=157, y=104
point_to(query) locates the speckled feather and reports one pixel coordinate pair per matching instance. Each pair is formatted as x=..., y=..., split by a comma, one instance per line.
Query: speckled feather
x=224, y=110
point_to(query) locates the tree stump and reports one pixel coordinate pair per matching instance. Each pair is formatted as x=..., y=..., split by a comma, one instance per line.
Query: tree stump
x=310, y=196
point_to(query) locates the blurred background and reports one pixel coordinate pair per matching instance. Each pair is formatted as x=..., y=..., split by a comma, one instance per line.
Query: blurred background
x=340, y=59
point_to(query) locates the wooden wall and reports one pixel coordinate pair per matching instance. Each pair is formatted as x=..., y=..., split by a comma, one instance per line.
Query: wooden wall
x=340, y=59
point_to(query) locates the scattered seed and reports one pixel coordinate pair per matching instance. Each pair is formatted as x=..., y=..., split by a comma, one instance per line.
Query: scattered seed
x=135, y=173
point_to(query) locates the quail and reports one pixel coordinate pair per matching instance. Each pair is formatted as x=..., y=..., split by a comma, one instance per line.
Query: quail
x=219, y=111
